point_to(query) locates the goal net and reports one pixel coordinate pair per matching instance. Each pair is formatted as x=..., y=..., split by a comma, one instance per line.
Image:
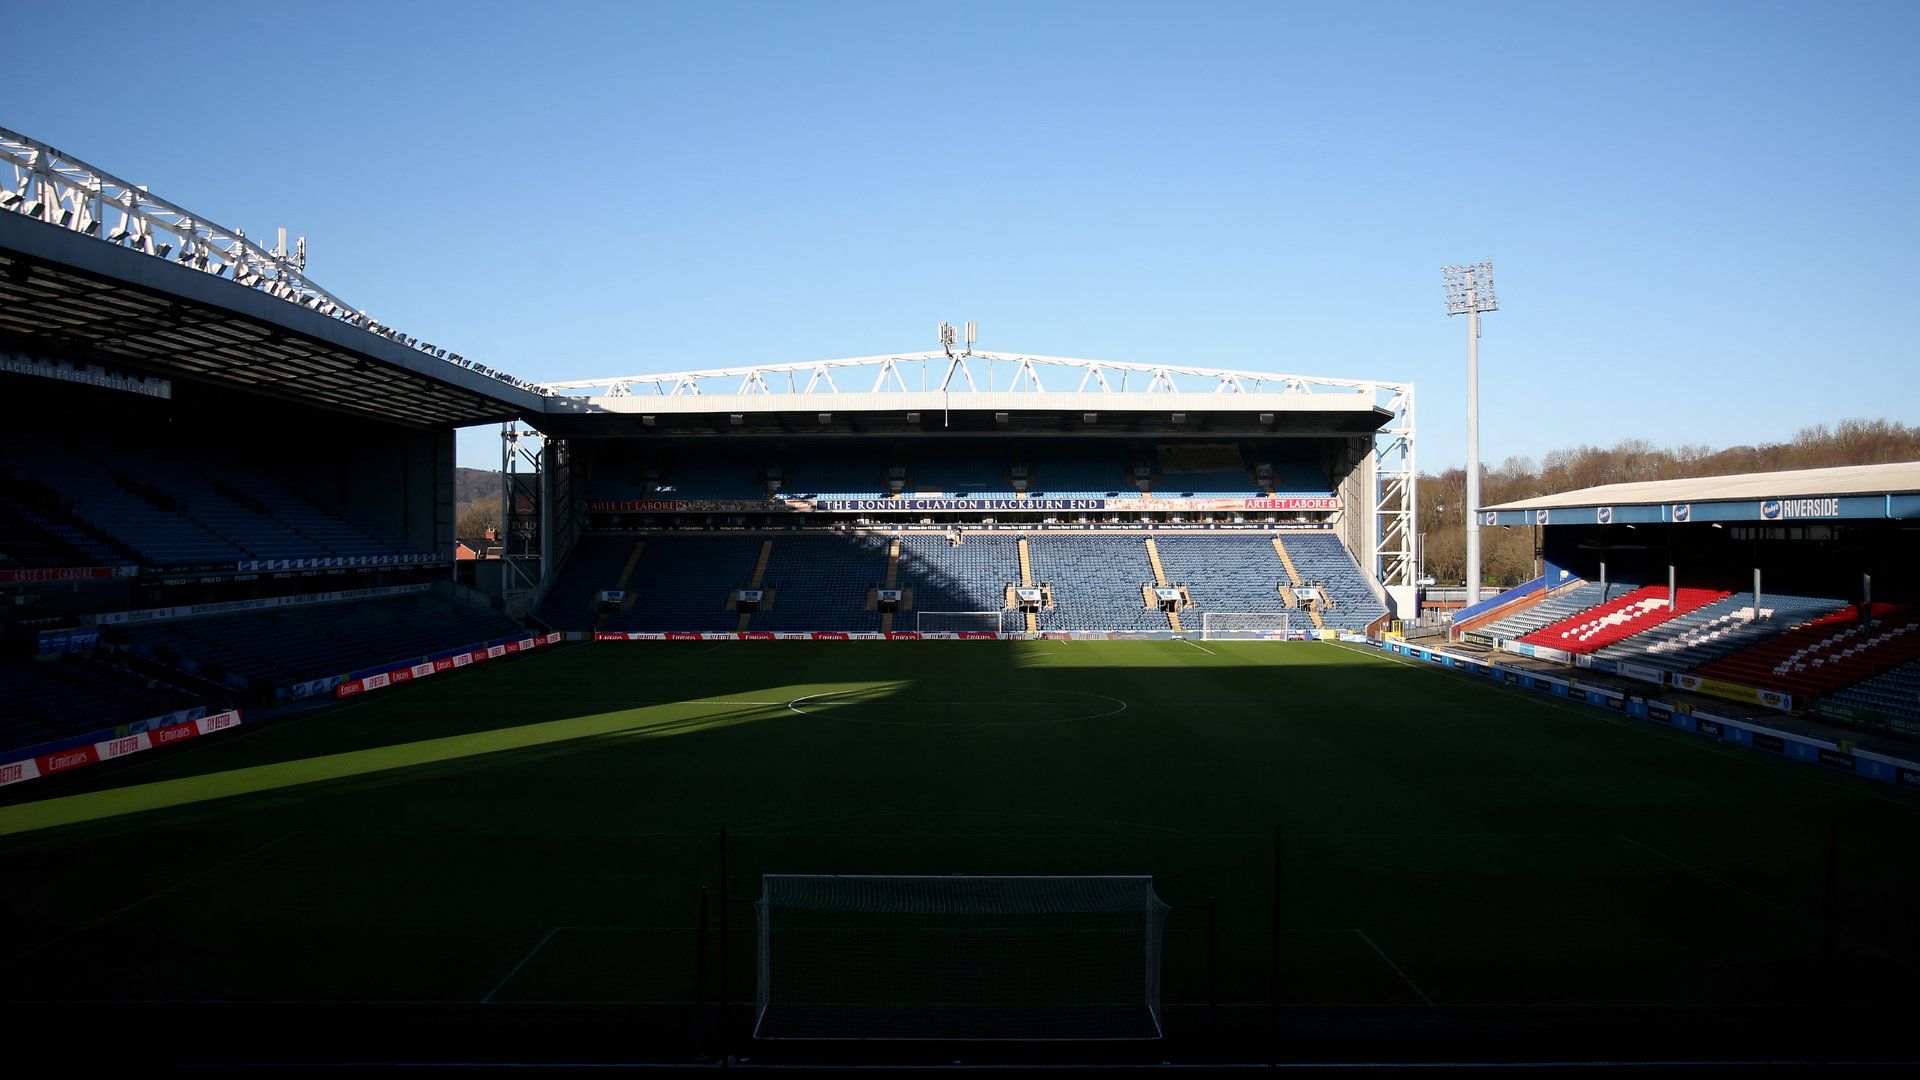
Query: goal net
x=957, y=622
x=958, y=958
x=1244, y=625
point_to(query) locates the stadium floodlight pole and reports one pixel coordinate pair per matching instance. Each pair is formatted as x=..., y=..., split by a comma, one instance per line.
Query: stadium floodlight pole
x=1469, y=291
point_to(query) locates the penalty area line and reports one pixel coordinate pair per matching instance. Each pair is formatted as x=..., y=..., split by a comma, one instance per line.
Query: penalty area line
x=515, y=970
x=1199, y=646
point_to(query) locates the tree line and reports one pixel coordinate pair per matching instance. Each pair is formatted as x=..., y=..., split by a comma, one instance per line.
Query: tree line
x=1507, y=555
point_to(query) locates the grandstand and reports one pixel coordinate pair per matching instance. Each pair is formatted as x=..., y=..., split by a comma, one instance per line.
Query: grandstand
x=1791, y=592
x=227, y=502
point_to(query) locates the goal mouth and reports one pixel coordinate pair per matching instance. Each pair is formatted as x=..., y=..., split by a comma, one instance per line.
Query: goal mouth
x=958, y=958
x=963, y=622
x=1247, y=626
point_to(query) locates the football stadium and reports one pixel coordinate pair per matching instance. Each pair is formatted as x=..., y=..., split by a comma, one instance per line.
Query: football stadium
x=945, y=707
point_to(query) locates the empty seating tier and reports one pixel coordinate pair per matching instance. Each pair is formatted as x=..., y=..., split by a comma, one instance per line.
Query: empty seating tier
x=1560, y=605
x=45, y=700
x=687, y=583
x=972, y=576
x=175, y=508
x=1826, y=654
x=1707, y=633
x=1894, y=693
x=262, y=650
x=1096, y=581
x=1621, y=618
x=823, y=583
x=1323, y=561
x=1225, y=571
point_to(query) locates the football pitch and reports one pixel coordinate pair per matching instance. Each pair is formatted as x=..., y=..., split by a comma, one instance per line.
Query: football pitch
x=544, y=834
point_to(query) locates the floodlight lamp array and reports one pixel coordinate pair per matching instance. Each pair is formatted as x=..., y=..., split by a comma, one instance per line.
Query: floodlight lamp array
x=1469, y=287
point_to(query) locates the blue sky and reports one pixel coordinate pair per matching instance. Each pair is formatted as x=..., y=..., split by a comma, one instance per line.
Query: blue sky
x=1702, y=216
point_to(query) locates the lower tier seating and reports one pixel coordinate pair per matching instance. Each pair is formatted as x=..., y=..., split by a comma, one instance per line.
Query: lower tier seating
x=1713, y=631
x=686, y=583
x=260, y=650
x=595, y=564
x=1893, y=693
x=1562, y=605
x=1226, y=572
x=972, y=576
x=1827, y=653
x=1096, y=581
x=1621, y=618
x=1322, y=560
x=823, y=582
x=56, y=698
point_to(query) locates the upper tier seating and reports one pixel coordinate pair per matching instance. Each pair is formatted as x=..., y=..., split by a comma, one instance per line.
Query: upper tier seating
x=1895, y=692
x=1689, y=640
x=1562, y=605
x=172, y=509
x=256, y=650
x=161, y=537
x=1225, y=571
x=1618, y=619
x=971, y=577
x=48, y=699
x=1096, y=581
x=1322, y=560
x=977, y=468
x=685, y=583
x=39, y=539
x=821, y=582
x=1827, y=653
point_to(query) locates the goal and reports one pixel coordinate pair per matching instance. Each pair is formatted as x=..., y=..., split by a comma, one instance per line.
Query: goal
x=957, y=622
x=958, y=958
x=1244, y=625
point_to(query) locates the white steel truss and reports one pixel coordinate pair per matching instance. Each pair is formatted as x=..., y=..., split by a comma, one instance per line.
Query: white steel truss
x=1396, y=495
x=940, y=370
x=60, y=189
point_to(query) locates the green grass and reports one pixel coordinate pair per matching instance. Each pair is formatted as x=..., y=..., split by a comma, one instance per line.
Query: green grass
x=540, y=831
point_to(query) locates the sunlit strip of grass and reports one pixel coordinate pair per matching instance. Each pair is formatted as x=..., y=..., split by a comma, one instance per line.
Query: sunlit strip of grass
x=652, y=722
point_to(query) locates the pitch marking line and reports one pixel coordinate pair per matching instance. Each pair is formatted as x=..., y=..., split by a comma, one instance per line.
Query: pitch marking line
x=1199, y=646
x=149, y=897
x=1388, y=960
x=515, y=970
x=1750, y=894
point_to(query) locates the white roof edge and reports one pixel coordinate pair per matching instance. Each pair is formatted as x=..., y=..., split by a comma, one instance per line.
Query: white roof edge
x=999, y=400
x=953, y=362
x=1894, y=478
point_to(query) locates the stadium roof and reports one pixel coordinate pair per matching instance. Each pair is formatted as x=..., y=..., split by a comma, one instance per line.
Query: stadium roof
x=96, y=269
x=1847, y=492
x=69, y=296
x=961, y=390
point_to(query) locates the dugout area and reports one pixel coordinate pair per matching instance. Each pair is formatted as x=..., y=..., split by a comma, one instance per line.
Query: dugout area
x=524, y=861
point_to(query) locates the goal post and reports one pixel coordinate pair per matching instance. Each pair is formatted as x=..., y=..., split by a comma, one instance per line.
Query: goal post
x=957, y=622
x=958, y=957
x=1245, y=625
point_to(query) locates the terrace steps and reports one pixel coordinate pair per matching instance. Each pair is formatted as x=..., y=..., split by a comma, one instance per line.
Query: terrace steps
x=622, y=583
x=1026, y=578
x=1160, y=579
x=1293, y=577
x=893, y=580
x=759, y=580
